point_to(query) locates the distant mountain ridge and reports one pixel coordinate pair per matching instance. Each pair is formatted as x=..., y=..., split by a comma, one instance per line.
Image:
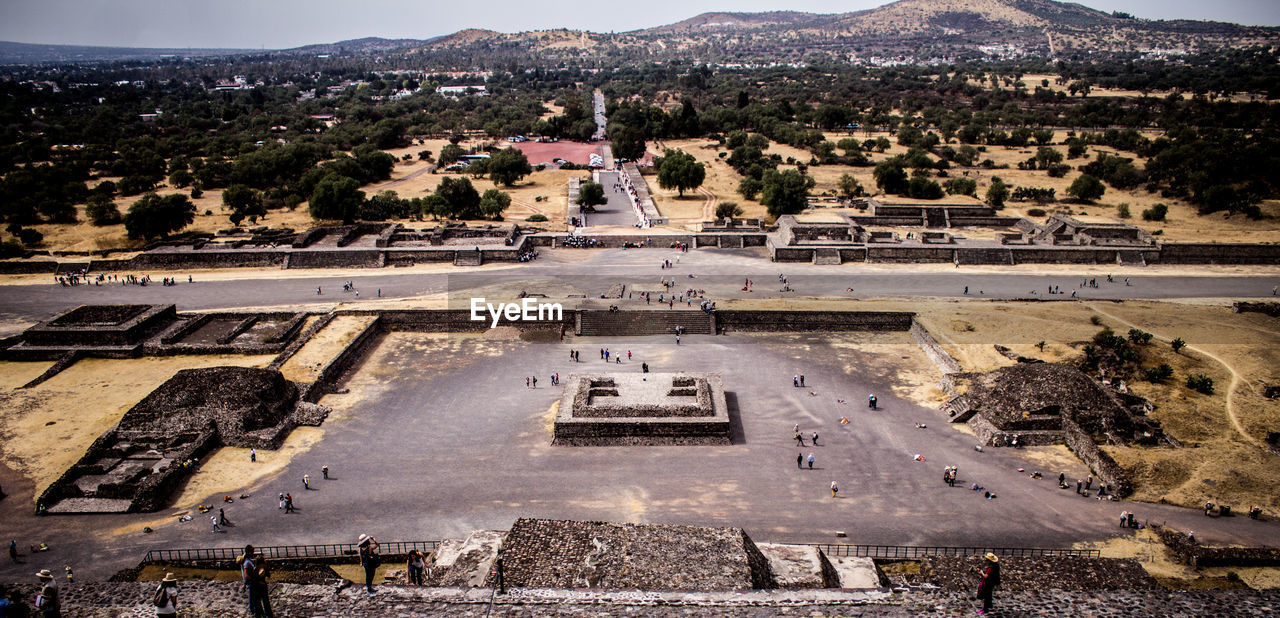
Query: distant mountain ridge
x=34, y=53
x=919, y=29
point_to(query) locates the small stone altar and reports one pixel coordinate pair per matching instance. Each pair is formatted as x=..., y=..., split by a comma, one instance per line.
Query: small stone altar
x=641, y=409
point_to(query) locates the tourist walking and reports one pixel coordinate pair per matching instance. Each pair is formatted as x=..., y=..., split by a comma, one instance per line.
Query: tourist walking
x=369, y=560
x=253, y=455
x=222, y=518
x=213, y=519
x=834, y=489
x=800, y=460
x=288, y=503
x=815, y=438
x=48, y=602
x=306, y=481
x=325, y=471
x=810, y=460
x=799, y=439
x=990, y=580
x=13, y=551
x=165, y=597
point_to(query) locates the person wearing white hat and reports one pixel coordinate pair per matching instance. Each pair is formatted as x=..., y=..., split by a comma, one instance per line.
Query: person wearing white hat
x=165, y=597
x=369, y=560
x=990, y=580
x=48, y=602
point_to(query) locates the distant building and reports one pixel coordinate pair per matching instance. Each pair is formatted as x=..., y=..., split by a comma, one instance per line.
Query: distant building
x=454, y=91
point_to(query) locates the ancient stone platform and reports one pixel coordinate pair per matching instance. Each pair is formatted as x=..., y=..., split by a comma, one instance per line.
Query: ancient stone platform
x=137, y=464
x=592, y=554
x=602, y=409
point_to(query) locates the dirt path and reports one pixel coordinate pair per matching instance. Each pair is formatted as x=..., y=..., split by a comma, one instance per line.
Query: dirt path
x=530, y=206
x=709, y=206
x=1231, y=389
x=395, y=183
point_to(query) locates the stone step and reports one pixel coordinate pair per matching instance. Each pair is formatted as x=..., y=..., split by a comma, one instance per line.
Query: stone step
x=658, y=322
x=468, y=258
x=826, y=257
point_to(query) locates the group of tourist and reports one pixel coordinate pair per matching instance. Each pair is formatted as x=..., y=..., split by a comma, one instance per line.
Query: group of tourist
x=579, y=242
x=82, y=278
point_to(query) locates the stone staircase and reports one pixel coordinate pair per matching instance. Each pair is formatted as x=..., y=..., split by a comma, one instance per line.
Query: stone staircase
x=468, y=258
x=656, y=322
x=1130, y=257
x=826, y=257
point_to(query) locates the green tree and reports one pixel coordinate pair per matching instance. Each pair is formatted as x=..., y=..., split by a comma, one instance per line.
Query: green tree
x=962, y=186
x=451, y=153
x=1155, y=213
x=922, y=188
x=591, y=194
x=849, y=186
x=153, y=216
x=1178, y=344
x=997, y=193
x=891, y=177
x=181, y=178
x=336, y=197
x=681, y=171
x=462, y=198
x=785, y=192
x=627, y=142
x=493, y=203
x=435, y=206
x=728, y=210
x=1086, y=188
x=749, y=187
x=243, y=202
x=101, y=210
x=508, y=166
x=1046, y=156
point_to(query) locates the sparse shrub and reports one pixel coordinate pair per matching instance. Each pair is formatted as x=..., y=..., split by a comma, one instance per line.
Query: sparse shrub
x=1200, y=383
x=1139, y=336
x=1159, y=373
x=536, y=218
x=1095, y=320
x=1155, y=213
x=1122, y=210
x=1178, y=344
x=1035, y=212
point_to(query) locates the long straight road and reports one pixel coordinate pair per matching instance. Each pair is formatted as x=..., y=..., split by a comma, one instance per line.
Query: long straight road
x=618, y=211
x=590, y=272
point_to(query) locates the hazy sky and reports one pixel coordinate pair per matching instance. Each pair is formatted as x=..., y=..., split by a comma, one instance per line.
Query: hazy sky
x=290, y=23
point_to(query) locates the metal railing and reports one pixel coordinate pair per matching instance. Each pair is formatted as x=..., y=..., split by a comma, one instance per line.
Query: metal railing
x=335, y=550
x=921, y=551
x=834, y=550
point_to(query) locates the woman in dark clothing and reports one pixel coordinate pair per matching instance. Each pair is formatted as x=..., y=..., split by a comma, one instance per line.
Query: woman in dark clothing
x=990, y=580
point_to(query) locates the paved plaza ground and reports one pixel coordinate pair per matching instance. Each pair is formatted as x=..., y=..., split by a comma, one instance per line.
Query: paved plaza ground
x=438, y=436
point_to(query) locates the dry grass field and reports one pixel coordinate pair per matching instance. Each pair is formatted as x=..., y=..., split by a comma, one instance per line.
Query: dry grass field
x=1222, y=458
x=1182, y=223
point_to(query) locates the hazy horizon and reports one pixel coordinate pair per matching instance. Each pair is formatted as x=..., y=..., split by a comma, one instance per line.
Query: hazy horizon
x=281, y=24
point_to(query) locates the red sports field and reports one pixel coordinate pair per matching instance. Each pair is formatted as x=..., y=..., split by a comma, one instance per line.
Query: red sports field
x=574, y=152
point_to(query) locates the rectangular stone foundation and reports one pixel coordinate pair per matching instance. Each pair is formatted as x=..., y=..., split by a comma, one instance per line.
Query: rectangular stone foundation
x=642, y=409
